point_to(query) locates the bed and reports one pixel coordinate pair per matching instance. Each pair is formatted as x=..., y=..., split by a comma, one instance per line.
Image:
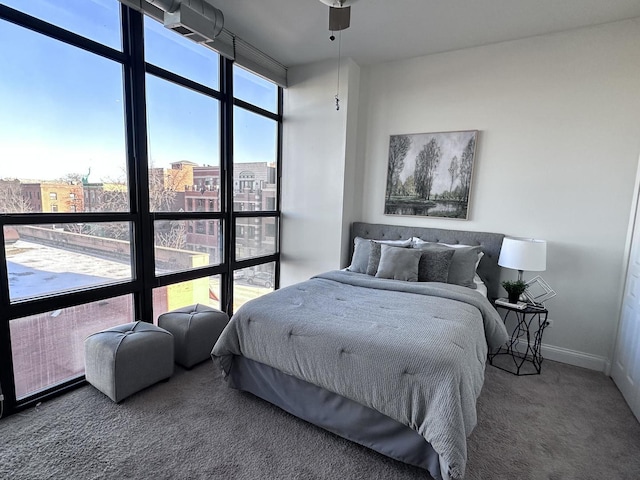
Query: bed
x=394, y=365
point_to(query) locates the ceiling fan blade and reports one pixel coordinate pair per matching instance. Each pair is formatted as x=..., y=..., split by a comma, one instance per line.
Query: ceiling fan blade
x=339, y=18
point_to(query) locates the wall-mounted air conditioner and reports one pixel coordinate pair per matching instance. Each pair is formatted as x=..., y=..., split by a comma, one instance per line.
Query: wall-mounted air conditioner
x=193, y=24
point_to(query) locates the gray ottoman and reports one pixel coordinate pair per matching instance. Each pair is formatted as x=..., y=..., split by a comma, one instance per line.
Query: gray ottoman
x=125, y=359
x=195, y=330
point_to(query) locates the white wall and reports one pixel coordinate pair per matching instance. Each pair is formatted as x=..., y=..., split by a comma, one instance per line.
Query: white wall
x=559, y=121
x=318, y=165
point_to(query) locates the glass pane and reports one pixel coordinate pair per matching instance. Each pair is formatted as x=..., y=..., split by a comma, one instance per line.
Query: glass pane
x=253, y=89
x=43, y=260
x=256, y=236
x=166, y=49
x=62, y=123
x=204, y=194
x=254, y=169
x=184, y=144
x=252, y=282
x=48, y=348
x=98, y=20
x=184, y=244
x=205, y=291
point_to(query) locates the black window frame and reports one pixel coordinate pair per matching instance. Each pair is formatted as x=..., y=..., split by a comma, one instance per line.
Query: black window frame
x=144, y=280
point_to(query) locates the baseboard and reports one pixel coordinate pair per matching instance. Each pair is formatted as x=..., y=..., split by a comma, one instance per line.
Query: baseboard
x=573, y=357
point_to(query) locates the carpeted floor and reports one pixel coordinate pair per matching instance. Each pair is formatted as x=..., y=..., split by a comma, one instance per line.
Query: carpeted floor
x=568, y=423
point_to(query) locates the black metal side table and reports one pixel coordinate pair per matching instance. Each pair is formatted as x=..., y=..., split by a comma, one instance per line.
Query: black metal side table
x=526, y=319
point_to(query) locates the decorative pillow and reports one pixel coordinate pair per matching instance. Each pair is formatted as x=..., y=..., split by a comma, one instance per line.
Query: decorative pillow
x=399, y=263
x=362, y=250
x=434, y=265
x=375, y=252
x=459, y=245
x=463, y=262
x=360, y=258
x=374, y=258
x=463, y=266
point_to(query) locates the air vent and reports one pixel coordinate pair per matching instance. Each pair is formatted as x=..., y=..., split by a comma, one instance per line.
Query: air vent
x=193, y=25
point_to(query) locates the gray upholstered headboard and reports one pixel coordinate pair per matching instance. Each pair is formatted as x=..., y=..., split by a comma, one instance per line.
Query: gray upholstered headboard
x=491, y=243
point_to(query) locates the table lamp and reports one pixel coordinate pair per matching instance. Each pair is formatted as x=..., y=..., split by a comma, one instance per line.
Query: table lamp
x=523, y=254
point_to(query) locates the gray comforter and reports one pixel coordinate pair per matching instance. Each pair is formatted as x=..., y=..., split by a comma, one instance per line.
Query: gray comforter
x=413, y=351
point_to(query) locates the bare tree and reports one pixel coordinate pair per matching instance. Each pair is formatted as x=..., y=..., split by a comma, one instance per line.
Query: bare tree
x=113, y=197
x=161, y=192
x=172, y=234
x=453, y=171
x=427, y=162
x=399, y=146
x=11, y=198
x=466, y=167
x=72, y=178
x=165, y=184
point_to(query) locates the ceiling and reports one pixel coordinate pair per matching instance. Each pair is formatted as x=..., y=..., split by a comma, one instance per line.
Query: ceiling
x=295, y=32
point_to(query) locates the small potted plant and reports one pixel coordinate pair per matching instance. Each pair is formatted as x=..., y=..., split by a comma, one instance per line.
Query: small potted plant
x=514, y=289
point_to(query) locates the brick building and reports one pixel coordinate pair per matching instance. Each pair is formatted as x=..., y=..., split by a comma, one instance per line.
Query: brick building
x=54, y=197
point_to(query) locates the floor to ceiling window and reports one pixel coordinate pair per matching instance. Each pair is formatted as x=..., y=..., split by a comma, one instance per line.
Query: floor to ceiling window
x=140, y=173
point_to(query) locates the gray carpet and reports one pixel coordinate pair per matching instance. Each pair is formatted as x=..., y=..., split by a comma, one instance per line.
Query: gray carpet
x=568, y=423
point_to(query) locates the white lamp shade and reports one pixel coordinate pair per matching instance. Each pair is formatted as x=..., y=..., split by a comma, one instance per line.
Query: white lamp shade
x=523, y=254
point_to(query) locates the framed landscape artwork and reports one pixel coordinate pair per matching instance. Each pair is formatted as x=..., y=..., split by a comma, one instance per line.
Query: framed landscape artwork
x=429, y=174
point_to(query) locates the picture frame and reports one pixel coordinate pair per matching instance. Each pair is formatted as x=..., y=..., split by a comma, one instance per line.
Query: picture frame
x=430, y=174
x=538, y=291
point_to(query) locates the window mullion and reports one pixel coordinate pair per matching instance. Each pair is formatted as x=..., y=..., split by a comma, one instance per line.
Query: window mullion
x=137, y=164
x=226, y=169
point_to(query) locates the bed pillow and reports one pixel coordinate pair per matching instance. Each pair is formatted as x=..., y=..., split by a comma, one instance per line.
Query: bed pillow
x=374, y=258
x=458, y=245
x=360, y=258
x=434, y=265
x=463, y=266
x=399, y=263
x=417, y=242
x=362, y=250
x=462, y=269
x=375, y=252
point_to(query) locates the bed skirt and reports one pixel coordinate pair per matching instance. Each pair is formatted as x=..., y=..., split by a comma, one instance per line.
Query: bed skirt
x=337, y=414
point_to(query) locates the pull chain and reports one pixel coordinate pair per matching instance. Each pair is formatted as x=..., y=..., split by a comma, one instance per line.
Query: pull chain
x=337, y=97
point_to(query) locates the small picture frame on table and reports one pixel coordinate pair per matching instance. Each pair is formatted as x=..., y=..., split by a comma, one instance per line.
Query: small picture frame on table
x=538, y=291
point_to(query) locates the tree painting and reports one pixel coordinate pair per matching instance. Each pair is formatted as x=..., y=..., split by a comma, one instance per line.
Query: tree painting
x=430, y=174
x=398, y=148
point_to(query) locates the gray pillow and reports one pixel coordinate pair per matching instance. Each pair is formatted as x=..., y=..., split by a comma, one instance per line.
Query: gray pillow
x=360, y=259
x=399, y=263
x=374, y=258
x=375, y=252
x=463, y=266
x=434, y=265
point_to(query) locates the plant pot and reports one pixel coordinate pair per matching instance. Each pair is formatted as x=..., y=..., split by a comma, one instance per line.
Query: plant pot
x=514, y=297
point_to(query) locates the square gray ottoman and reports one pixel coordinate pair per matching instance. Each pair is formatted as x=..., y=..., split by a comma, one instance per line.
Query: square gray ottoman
x=195, y=330
x=123, y=360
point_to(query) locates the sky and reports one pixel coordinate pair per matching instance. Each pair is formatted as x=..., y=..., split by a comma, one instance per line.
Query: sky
x=62, y=108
